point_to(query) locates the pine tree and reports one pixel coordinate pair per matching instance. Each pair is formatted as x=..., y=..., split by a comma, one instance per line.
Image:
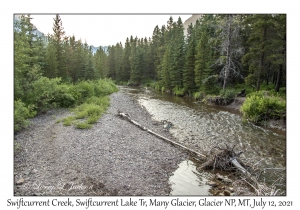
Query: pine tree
x=90, y=71
x=125, y=70
x=260, y=39
x=27, y=57
x=51, y=70
x=100, y=63
x=111, y=62
x=118, y=60
x=177, y=59
x=58, y=38
x=189, y=73
x=204, y=72
x=136, y=62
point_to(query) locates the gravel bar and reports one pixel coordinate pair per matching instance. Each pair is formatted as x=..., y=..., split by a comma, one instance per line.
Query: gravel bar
x=114, y=157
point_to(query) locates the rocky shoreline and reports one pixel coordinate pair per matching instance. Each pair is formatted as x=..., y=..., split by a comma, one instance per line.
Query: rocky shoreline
x=114, y=157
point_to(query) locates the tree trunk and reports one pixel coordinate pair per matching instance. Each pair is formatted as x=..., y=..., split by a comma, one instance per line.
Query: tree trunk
x=259, y=72
x=279, y=75
x=261, y=62
x=279, y=78
x=227, y=66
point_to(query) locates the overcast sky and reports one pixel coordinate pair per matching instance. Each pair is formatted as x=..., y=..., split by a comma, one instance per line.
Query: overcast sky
x=105, y=30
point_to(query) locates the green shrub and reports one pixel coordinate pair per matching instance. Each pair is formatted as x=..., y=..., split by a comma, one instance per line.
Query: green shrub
x=21, y=114
x=89, y=96
x=63, y=97
x=89, y=112
x=199, y=95
x=50, y=93
x=178, y=91
x=260, y=106
x=86, y=90
x=104, y=87
x=43, y=93
x=228, y=94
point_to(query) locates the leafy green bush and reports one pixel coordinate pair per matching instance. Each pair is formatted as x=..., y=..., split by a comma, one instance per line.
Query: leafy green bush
x=104, y=87
x=21, y=114
x=63, y=97
x=228, y=94
x=178, y=91
x=50, y=93
x=44, y=91
x=85, y=89
x=260, y=106
x=199, y=95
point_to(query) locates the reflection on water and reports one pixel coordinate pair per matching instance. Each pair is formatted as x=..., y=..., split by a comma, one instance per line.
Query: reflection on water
x=188, y=181
x=202, y=127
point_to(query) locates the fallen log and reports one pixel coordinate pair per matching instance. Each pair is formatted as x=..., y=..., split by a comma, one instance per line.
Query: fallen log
x=226, y=159
x=126, y=116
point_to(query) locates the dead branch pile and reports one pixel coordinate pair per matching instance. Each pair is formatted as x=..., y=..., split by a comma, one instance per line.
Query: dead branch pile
x=227, y=159
x=220, y=158
x=224, y=159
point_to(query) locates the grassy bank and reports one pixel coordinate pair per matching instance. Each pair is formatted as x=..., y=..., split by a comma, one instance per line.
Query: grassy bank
x=263, y=106
x=259, y=106
x=87, y=99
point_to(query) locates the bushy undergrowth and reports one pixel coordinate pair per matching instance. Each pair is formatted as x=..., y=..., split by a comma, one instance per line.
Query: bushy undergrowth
x=51, y=93
x=21, y=114
x=88, y=113
x=261, y=106
x=178, y=91
x=228, y=94
x=199, y=95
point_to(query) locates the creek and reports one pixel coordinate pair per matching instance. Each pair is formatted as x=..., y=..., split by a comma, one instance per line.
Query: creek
x=201, y=127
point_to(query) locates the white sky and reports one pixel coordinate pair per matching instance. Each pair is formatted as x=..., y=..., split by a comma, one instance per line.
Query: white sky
x=103, y=29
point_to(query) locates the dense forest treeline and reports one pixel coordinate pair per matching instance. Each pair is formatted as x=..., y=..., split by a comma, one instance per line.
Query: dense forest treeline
x=217, y=53
x=56, y=71
x=218, y=57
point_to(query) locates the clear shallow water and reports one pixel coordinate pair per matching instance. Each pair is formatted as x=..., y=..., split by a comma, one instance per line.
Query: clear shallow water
x=186, y=180
x=202, y=127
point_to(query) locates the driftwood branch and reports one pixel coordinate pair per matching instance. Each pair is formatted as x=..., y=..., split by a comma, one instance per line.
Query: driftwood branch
x=225, y=159
x=126, y=116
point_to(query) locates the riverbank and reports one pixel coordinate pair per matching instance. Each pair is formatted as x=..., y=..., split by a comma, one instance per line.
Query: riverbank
x=114, y=157
x=273, y=124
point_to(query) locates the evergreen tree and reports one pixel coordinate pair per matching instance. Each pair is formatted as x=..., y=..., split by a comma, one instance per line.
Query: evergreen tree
x=118, y=60
x=27, y=53
x=177, y=59
x=136, y=62
x=204, y=72
x=260, y=39
x=125, y=70
x=90, y=71
x=189, y=73
x=100, y=63
x=51, y=70
x=58, y=38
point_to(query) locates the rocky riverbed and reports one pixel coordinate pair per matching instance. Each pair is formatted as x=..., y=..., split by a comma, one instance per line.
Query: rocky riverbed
x=114, y=157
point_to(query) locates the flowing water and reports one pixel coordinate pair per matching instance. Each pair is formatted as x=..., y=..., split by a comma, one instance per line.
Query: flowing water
x=201, y=127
